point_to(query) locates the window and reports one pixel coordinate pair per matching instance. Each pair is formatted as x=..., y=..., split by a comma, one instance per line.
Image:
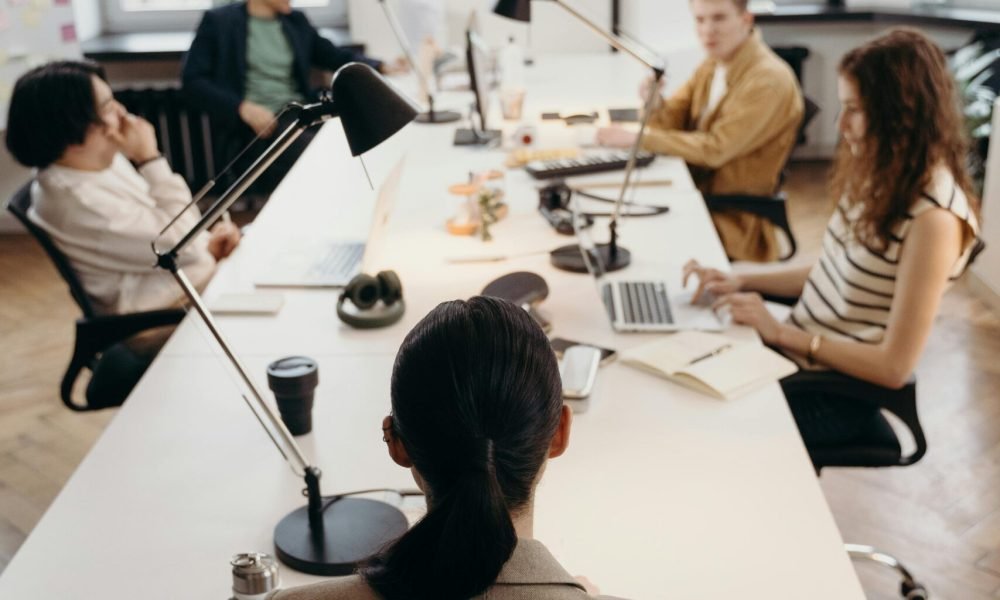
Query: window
x=122, y=16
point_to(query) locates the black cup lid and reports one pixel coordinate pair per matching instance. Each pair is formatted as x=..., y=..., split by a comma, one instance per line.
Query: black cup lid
x=293, y=374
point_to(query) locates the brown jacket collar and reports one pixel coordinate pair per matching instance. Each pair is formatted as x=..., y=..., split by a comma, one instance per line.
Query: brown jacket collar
x=748, y=55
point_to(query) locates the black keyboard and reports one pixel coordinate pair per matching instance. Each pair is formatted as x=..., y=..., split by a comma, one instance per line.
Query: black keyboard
x=583, y=165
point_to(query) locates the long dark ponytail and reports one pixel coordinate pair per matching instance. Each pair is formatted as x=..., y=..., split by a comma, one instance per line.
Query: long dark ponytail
x=476, y=399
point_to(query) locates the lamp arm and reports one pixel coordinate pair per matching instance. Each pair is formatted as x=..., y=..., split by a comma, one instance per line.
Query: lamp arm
x=271, y=422
x=309, y=115
x=619, y=43
x=397, y=30
x=633, y=153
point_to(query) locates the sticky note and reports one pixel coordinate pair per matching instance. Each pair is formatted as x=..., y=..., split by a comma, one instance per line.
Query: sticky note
x=41, y=4
x=68, y=32
x=31, y=18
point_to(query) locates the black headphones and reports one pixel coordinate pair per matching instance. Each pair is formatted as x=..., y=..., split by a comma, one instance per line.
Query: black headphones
x=363, y=293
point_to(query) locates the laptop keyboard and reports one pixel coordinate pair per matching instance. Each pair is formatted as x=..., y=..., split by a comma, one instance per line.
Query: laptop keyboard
x=340, y=261
x=643, y=302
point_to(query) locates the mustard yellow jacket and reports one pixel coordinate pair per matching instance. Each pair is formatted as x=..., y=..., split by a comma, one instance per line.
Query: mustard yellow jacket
x=742, y=146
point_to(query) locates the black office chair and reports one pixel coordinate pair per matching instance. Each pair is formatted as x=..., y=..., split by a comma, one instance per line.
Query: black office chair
x=99, y=344
x=879, y=446
x=772, y=208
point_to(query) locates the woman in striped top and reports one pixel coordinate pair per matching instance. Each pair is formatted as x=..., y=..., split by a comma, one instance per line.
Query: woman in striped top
x=903, y=230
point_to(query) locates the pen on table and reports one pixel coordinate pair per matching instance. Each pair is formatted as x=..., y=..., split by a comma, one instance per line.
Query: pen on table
x=715, y=352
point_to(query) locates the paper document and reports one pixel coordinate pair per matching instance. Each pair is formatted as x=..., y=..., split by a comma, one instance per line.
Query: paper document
x=247, y=304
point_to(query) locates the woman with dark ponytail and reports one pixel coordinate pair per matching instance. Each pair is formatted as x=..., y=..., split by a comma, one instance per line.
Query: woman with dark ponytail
x=476, y=411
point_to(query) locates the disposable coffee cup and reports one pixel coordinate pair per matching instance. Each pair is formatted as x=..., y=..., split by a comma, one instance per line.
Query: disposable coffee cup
x=512, y=104
x=293, y=380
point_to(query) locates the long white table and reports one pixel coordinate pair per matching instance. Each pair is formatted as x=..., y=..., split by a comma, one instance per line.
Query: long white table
x=663, y=493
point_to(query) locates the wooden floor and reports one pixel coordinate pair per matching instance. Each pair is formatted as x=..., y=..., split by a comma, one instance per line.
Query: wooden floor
x=941, y=516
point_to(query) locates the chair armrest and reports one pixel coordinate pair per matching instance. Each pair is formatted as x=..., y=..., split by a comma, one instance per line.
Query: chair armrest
x=105, y=330
x=94, y=335
x=901, y=402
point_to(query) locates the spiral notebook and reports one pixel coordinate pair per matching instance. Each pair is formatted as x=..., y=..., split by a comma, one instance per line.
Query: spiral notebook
x=710, y=363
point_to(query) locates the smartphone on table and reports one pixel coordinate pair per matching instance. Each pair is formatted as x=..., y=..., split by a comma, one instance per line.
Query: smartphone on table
x=559, y=346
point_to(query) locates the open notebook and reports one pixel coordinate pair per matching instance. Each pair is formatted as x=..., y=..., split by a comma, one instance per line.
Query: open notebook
x=710, y=363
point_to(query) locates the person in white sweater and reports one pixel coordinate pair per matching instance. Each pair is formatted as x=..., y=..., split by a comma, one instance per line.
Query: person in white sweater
x=100, y=210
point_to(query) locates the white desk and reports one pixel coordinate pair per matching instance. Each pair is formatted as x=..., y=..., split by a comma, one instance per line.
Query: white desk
x=663, y=492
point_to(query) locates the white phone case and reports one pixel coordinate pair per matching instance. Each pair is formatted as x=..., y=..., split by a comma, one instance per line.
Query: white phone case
x=579, y=370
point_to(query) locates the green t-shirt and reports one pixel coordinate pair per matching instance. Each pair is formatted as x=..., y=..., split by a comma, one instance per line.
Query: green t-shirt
x=269, y=65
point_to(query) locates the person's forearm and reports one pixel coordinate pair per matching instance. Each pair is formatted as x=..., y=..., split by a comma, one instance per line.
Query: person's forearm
x=868, y=362
x=784, y=281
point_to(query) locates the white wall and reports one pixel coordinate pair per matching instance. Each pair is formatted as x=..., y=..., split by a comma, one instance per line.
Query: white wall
x=986, y=271
x=666, y=25
x=551, y=30
x=828, y=43
x=87, y=14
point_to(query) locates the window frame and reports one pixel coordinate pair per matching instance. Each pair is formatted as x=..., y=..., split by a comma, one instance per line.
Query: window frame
x=116, y=20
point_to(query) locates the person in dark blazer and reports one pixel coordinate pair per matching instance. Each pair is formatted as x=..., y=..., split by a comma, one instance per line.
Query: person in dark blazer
x=477, y=412
x=247, y=61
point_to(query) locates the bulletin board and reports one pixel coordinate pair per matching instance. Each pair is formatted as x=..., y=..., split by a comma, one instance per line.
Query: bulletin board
x=32, y=32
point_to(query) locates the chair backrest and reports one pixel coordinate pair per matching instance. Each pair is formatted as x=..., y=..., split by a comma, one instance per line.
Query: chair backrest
x=811, y=110
x=19, y=205
x=183, y=133
x=877, y=448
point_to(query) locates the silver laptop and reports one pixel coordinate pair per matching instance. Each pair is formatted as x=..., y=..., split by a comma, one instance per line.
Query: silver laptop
x=333, y=263
x=643, y=305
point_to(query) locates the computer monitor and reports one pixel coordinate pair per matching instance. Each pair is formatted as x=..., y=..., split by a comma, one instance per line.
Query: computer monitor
x=476, y=58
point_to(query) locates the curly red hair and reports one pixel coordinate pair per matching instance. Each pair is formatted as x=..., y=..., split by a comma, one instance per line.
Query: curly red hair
x=910, y=101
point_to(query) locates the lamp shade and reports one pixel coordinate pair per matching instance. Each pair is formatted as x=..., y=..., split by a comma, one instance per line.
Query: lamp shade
x=519, y=10
x=370, y=109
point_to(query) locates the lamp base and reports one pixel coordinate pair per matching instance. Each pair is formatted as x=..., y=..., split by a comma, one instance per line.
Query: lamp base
x=354, y=529
x=438, y=116
x=568, y=258
x=472, y=137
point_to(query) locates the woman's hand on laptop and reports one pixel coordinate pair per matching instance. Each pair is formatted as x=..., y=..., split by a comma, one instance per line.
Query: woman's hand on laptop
x=748, y=308
x=711, y=282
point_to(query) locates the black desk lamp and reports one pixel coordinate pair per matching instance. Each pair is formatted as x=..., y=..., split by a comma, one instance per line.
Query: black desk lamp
x=329, y=536
x=431, y=116
x=613, y=256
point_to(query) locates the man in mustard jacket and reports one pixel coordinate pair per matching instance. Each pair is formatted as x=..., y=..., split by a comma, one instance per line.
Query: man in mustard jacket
x=734, y=122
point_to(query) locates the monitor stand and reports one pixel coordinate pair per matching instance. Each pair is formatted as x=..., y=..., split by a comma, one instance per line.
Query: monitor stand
x=568, y=258
x=474, y=137
x=438, y=116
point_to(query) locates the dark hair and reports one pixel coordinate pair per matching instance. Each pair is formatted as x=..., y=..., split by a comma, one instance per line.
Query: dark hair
x=741, y=5
x=911, y=105
x=51, y=108
x=476, y=400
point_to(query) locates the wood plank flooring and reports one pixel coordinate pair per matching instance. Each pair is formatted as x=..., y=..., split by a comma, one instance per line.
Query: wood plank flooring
x=941, y=517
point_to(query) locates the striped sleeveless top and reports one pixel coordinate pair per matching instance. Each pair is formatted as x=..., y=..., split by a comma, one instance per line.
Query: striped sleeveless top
x=849, y=292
